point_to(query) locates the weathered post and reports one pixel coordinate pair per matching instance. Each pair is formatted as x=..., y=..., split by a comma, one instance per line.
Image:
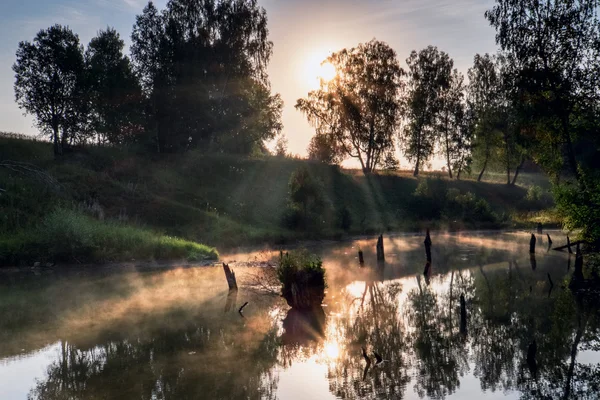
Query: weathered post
x=532, y=244
x=230, y=276
x=531, y=353
x=361, y=258
x=380, y=253
x=569, y=245
x=427, y=243
x=539, y=228
x=549, y=240
x=427, y=269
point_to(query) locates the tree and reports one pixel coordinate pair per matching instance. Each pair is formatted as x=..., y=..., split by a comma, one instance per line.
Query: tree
x=429, y=74
x=450, y=119
x=552, y=56
x=150, y=59
x=281, y=147
x=360, y=106
x=462, y=139
x=114, y=91
x=483, y=94
x=324, y=148
x=49, y=82
x=203, y=66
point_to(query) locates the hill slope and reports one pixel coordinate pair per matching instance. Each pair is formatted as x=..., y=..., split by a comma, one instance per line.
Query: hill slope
x=225, y=201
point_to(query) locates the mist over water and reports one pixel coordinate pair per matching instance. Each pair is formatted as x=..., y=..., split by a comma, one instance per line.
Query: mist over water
x=177, y=333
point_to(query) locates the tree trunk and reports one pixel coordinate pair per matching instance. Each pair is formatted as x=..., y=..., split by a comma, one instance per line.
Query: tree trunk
x=514, y=181
x=416, y=173
x=483, y=169
x=507, y=159
x=570, y=152
x=55, y=142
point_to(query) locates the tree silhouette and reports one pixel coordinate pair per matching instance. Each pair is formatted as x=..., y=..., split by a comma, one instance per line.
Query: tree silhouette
x=203, y=67
x=359, y=108
x=429, y=75
x=49, y=82
x=114, y=91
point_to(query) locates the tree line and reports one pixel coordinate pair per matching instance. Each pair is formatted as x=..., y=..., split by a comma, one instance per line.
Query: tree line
x=195, y=78
x=536, y=99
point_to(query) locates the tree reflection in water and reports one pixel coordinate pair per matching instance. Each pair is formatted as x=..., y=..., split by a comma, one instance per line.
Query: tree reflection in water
x=192, y=349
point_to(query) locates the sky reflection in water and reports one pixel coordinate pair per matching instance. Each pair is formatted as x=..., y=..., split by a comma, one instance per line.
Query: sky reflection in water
x=177, y=334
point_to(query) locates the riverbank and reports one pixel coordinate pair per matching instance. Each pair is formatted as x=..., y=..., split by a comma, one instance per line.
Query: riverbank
x=181, y=206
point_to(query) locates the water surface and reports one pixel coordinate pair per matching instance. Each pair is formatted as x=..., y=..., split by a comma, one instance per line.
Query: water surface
x=93, y=333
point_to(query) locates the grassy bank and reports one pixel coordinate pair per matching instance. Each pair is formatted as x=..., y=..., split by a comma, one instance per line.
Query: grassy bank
x=225, y=201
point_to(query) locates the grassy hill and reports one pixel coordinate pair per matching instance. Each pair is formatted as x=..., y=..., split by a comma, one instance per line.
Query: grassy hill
x=221, y=201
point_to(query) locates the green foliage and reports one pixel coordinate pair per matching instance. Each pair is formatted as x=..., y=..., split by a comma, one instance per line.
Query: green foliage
x=49, y=82
x=433, y=199
x=534, y=193
x=300, y=266
x=114, y=91
x=325, y=148
x=359, y=107
x=307, y=201
x=430, y=72
x=580, y=209
x=203, y=66
x=65, y=235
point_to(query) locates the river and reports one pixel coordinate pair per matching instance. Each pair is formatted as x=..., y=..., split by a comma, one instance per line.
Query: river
x=176, y=333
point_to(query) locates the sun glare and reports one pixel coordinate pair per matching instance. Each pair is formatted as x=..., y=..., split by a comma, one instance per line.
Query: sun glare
x=315, y=68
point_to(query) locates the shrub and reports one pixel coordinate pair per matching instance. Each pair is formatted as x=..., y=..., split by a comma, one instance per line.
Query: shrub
x=534, y=193
x=307, y=205
x=467, y=207
x=429, y=198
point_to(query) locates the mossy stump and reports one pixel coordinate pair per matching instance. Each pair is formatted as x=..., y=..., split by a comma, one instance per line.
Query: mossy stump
x=302, y=278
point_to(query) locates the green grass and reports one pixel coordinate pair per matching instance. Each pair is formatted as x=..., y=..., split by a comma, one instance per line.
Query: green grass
x=65, y=235
x=225, y=201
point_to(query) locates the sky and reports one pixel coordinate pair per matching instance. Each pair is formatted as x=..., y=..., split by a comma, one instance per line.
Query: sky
x=303, y=33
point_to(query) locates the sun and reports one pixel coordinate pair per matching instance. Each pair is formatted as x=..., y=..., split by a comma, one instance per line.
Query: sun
x=315, y=68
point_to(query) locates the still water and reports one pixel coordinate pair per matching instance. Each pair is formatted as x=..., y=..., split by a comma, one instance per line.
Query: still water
x=95, y=333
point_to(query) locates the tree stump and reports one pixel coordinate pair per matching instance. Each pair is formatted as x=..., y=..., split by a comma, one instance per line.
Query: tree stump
x=230, y=275
x=361, y=258
x=569, y=245
x=380, y=253
x=427, y=243
x=549, y=240
x=532, y=261
x=532, y=244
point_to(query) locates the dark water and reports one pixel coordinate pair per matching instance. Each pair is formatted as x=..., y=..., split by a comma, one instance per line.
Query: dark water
x=176, y=334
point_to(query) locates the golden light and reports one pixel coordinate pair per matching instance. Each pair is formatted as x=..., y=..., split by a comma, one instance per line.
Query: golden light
x=332, y=350
x=315, y=68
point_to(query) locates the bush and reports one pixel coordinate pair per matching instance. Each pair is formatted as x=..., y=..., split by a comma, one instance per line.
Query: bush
x=307, y=207
x=467, y=207
x=428, y=199
x=302, y=277
x=534, y=193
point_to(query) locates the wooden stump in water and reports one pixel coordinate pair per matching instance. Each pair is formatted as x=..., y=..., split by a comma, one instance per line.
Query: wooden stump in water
x=569, y=245
x=532, y=244
x=549, y=240
x=230, y=275
x=427, y=243
x=380, y=253
x=361, y=258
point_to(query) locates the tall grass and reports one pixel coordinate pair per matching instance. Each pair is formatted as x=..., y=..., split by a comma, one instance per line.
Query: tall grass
x=68, y=236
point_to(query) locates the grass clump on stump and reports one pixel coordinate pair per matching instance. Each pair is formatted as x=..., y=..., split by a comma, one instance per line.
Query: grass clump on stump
x=302, y=278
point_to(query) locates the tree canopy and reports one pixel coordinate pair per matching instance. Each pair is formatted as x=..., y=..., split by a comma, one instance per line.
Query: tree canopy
x=359, y=108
